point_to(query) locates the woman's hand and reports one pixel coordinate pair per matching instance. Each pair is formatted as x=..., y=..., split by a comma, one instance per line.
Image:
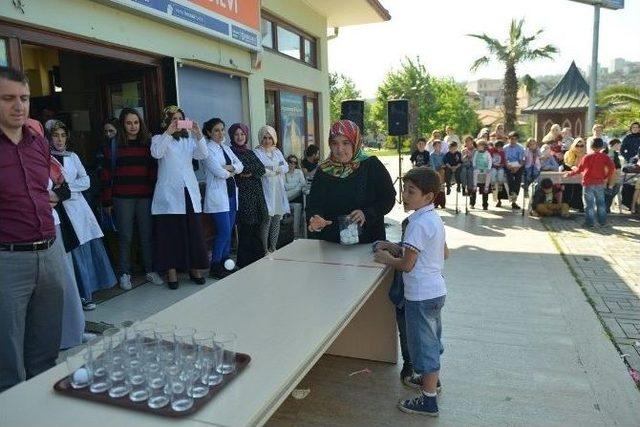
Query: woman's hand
x=383, y=256
x=173, y=128
x=317, y=223
x=357, y=216
x=195, y=130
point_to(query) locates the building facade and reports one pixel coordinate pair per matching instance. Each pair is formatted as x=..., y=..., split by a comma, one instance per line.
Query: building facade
x=251, y=61
x=488, y=92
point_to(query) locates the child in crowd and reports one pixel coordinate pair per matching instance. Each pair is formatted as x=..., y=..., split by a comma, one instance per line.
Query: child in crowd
x=498, y=162
x=466, y=170
x=451, y=137
x=452, y=162
x=597, y=171
x=548, y=161
x=437, y=156
x=614, y=152
x=421, y=258
x=531, y=164
x=545, y=200
x=482, y=165
x=420, y=156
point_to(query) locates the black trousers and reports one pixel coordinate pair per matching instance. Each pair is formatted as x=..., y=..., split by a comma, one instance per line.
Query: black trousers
x=250, y=245
x=514, y=180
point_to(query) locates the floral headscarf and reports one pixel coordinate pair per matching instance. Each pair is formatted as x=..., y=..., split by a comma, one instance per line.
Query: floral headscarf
x=167, y=116
x=232, y=130
x=351, y=131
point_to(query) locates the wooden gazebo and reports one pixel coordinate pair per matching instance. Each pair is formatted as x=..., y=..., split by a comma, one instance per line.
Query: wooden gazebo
x=566, y=104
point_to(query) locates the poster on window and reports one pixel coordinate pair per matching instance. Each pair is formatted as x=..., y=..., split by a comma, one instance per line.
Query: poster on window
x=292, y=122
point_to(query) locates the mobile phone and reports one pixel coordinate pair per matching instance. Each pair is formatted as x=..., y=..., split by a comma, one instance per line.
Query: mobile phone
x=185, y=124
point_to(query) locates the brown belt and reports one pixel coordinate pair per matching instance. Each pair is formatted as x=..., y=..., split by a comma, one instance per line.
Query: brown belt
x=27, y=247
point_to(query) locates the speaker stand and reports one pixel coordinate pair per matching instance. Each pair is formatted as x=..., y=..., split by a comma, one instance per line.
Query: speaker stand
x=399, y=178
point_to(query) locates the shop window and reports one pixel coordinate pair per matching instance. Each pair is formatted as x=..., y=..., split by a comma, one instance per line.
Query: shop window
x=288, y=40
x=288, y=43
x=270, y=108
x=292, y=122
x=4, y=54
x=267, y=33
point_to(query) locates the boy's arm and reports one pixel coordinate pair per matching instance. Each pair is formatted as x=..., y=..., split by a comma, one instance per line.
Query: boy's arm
x=446, y=250
x=404, y=263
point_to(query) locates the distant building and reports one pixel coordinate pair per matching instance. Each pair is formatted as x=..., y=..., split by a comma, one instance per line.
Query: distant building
x=621, y=65
x=617, y=65
x=489, y=92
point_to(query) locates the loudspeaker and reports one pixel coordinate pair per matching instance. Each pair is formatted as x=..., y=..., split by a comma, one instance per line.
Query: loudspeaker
x=353, y=110
x=398, y=117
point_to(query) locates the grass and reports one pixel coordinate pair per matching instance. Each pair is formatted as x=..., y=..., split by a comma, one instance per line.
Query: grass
x=386, y=152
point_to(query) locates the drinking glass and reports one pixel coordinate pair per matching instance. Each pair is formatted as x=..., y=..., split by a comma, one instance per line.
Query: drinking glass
x=227, y=341
x=164, y=334
x=100, y=349
x=137, y=381
x=185, y=346
x=79, y=368
x=180, y=387
x=118, y=365
x=209, y=358
x=157, y=387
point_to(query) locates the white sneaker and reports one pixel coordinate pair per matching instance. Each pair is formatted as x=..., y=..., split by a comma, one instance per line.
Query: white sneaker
x=125, y=282
x=154, y=278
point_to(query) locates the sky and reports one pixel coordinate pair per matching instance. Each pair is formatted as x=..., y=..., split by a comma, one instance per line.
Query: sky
x=436, y=31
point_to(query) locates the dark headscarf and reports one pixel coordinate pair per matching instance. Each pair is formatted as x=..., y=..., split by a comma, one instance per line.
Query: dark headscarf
x=232, y=130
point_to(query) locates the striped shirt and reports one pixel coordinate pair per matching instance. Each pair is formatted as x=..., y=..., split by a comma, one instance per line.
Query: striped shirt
x=132, y=177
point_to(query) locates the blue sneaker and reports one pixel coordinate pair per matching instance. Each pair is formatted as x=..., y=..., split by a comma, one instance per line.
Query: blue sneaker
x=421, y=404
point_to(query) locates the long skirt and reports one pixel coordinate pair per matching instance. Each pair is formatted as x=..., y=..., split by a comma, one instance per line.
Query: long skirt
x=179, y=241
x=72, y=314
x=250, y=244
x=92, y=267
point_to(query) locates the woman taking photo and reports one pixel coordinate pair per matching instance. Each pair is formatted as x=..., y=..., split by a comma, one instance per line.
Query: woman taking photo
x=128, y=180
x=221, y=197
x=272, y=185
x=176, y=204
x=90, y=261
x=252, y=208
x=349, y=183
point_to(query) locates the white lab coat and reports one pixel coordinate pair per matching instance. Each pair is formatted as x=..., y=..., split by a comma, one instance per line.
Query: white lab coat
x=175, y=172
x=216, y=198
x=273, y=181
x=80, y=214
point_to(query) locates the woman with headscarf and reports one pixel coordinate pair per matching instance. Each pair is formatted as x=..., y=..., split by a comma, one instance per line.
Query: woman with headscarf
x=573, y=192
x=252, y=208
x=349, y=183
x=552, y=135
x=221, y=196
x=272, y=185
x=81, y=233
x=176, y=203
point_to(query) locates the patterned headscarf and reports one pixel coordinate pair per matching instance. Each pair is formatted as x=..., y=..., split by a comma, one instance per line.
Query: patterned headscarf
x=351, y=131
x=232, y=130
x=167, y=116
x=268, y=130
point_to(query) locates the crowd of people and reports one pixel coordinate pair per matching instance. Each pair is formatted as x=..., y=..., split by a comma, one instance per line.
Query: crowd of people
x=498, y=163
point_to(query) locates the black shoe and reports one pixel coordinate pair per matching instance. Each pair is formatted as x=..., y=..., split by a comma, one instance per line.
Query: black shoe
x=485, y=207
x=515, y=206
x=448, y=191
x=197, y=280
x=219, y=272
x=173, y=285
x=499, y=204
x=472, y=206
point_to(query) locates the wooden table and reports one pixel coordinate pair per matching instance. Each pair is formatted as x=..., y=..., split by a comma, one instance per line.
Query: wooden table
x=309, y=298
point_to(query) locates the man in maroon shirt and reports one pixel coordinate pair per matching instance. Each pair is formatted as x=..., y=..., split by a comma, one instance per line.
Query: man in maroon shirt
x=597, y=171
x=31, y=267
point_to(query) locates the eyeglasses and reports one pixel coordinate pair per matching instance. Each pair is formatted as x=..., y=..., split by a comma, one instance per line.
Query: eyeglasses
x=579, y=145
x=292, y=162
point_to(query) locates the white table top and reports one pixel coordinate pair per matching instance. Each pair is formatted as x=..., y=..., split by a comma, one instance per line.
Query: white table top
x=286, y=314
x=319, y=251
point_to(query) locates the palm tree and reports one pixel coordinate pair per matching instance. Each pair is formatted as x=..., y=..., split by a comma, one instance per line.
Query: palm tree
x=515, y=50
x=621, y=95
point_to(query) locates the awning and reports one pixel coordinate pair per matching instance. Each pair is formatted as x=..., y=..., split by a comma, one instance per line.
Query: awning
x=342, y=13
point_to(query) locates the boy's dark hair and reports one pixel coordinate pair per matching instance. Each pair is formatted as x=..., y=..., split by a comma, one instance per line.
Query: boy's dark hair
x=13, y=75
x=453, y=144
x=425, y=178
x=597, y=143
x=614, y=141
x=499, y=144
x=421, y=140
x=546, y=183
x=311, y=150
x=514, y=134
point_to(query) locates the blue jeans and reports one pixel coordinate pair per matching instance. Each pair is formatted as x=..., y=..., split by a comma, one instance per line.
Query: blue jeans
x=593, y=198
x=424, y=332
x=224, y=226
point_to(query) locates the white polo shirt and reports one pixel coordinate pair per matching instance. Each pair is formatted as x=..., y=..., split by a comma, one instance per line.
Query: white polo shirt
x=425, y=235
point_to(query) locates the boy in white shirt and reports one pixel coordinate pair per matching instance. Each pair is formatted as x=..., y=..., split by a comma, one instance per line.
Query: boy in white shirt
x=421, y=259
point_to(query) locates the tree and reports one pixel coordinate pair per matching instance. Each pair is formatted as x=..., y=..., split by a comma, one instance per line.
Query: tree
x=619, y=107
x=514, y=51
x=433, y=103
x=341, y=88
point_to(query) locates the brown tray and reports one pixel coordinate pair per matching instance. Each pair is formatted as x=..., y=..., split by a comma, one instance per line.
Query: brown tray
x=63, y=386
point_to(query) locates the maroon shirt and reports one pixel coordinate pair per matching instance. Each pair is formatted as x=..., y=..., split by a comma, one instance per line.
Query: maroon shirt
x=25, y=213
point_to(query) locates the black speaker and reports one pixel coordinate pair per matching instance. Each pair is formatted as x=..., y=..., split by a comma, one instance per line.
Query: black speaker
x=353, y=110
x=398, y=117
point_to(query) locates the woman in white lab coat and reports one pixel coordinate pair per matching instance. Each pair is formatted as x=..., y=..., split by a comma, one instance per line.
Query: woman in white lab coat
x=221, y=196
x=176, y=205
x=92, y=267
x=272, y=185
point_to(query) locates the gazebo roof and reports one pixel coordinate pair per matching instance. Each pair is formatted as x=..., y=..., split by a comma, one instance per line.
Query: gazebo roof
x=571, y=93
